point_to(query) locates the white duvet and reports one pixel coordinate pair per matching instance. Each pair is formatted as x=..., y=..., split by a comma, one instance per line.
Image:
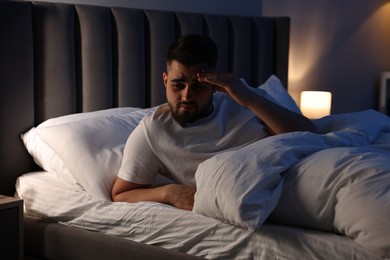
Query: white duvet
x=337, y=182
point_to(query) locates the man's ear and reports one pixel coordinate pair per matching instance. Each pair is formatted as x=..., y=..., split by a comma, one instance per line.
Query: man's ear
x=165, y=78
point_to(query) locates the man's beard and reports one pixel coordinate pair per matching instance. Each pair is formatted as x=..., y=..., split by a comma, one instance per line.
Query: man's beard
x=183, y=116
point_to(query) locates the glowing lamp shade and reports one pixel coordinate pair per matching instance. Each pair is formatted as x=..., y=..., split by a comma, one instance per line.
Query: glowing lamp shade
x=316, y=104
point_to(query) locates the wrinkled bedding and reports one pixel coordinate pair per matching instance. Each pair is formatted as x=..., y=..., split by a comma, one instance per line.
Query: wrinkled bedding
x=337, y=181
x=52, y=199
x=331, y=189
x=342, y=190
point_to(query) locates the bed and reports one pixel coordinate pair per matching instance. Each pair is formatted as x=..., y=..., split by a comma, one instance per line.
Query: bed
x=77, y=79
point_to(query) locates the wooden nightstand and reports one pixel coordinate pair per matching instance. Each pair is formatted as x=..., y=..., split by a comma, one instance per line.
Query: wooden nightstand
x=11, y=228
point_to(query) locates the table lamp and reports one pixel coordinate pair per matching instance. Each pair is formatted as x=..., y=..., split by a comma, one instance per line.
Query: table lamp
x=315, y=104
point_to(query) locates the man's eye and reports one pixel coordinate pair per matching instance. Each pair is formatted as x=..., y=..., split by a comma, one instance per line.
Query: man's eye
x=178, y=85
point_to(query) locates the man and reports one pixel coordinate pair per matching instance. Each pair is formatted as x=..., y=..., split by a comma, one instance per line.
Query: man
x=206, y=113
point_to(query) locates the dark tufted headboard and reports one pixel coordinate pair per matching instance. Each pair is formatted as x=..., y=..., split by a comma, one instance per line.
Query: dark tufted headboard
x=57, y=59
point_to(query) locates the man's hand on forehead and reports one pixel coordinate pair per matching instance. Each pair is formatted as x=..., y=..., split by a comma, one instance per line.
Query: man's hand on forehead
x=221, y=81
x=228, y=83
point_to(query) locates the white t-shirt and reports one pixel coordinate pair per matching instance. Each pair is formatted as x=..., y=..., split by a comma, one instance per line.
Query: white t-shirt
x=160, y=145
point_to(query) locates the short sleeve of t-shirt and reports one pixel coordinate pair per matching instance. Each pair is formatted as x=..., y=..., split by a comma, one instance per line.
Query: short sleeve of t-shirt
x=139, y=163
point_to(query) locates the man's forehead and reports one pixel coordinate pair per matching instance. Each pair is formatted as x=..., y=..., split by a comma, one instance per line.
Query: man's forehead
x=184, y=78
x=179, y=67
x=183, y=75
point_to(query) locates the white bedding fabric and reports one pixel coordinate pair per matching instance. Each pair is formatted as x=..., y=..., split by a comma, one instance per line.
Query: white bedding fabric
x=49, y=197
x=338, y=181
x=344, y=190
x=85, y=148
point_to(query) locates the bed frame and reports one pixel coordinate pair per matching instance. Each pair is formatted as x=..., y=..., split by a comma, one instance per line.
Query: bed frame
x=58, y=59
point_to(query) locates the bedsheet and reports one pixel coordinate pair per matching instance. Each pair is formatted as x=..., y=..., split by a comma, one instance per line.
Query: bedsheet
x=50, y=198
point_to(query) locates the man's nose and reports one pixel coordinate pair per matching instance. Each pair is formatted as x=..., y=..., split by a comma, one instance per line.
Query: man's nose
x=186, y=94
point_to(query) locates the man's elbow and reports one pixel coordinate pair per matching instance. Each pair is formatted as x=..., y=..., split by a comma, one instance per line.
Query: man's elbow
x=116, y=191
x=114, y=196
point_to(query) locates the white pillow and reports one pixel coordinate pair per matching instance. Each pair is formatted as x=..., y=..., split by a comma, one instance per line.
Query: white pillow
x=84, y=148
x=44, y=156
x=86, y=115
x=370, y=122
x=91, y=149
x=276, y=92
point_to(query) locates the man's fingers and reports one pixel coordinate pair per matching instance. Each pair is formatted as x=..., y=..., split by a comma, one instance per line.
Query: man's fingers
x=220, y=79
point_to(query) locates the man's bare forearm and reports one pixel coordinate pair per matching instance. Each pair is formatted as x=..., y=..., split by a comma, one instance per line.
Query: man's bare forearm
x=157, y=194
x=180, y=196
x=279, y=119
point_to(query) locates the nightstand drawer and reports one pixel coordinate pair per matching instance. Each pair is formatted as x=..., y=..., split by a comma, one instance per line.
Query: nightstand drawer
x=11, y=228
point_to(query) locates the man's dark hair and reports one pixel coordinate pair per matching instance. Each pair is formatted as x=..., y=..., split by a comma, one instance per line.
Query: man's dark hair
x=193, y=50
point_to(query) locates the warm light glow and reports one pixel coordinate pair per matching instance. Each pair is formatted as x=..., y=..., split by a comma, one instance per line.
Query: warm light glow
x=317, y=41
x=316, y=104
